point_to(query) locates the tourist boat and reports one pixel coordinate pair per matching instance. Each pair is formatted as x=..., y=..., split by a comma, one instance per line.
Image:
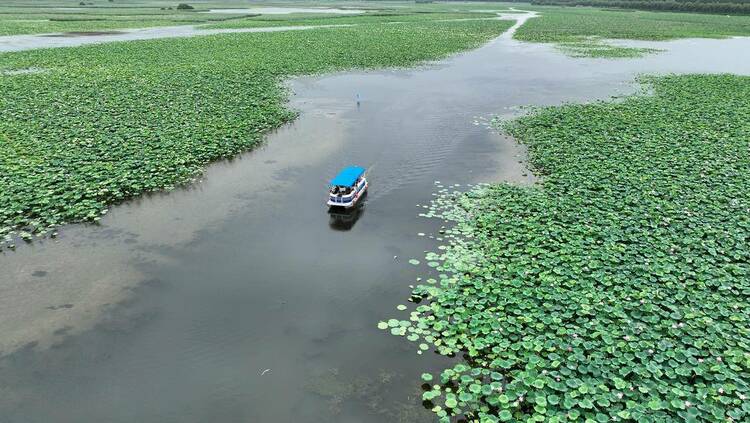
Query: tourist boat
x=348, y=187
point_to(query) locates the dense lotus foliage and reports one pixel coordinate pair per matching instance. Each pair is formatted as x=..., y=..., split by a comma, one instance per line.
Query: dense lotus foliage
x=618, y=289
x=39, y=17
x=24, y=24
x=92, y=126
x=561, y=24
x=307, y=19
x=597, y=48
x=736, y=7
x=582, y=32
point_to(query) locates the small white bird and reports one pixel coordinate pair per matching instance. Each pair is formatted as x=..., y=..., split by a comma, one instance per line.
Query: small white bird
x=264, y=372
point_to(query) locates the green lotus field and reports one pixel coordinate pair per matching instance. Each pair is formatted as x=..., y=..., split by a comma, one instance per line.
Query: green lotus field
x=616, y=289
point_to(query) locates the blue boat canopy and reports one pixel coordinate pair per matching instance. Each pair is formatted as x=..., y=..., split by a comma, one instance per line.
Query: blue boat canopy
x=348, y=176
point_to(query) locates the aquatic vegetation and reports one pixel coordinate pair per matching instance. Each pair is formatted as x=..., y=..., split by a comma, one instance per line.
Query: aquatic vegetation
x=582, y=31
x=562, y=24
x=616, y=289
x=40, y=20
x=723, y=7
x=108, y=122
x=596, y=48
x=26, y=25
x=306, y=19
x=46, y=17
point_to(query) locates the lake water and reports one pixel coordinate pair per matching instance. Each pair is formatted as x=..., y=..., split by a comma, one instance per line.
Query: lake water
x=240, y=298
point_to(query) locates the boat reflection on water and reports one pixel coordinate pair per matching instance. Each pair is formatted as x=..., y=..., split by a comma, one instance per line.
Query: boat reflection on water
x=343, y=219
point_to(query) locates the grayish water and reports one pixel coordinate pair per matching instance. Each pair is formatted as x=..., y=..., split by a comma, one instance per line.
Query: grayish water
x=175, y=308
x=10, y=43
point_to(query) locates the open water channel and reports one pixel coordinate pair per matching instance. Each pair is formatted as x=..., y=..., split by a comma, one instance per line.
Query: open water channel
x=240, y=298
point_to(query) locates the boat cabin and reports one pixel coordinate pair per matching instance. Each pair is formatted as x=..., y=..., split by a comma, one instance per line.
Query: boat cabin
x=348, y=187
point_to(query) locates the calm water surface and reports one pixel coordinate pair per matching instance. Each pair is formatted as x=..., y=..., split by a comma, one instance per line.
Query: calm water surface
x=240, y=298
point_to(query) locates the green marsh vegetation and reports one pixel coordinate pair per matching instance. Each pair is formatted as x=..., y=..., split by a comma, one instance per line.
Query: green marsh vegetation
x=327, y=19
x=616, y=289
x=711, y=6
x=104, y=123
x=48, y=16
x=18, y=17
x=582, y=31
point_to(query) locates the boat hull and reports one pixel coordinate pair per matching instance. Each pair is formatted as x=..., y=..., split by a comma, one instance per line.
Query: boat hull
x=346, y=202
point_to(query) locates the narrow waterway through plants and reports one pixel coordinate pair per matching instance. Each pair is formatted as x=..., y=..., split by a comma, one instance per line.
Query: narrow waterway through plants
x=240, y=298
x=10, y=43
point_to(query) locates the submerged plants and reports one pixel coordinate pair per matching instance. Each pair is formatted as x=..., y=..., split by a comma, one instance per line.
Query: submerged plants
x=616, y=290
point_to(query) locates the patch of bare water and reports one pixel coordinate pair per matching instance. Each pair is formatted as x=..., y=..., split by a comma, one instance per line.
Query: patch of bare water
x=714, y=55
x=23, y=71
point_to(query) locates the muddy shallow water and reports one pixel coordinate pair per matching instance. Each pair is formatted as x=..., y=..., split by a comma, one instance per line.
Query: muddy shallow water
x=239, y=298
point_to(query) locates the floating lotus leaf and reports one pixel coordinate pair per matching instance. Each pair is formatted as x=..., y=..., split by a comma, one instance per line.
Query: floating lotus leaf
x=617, y=288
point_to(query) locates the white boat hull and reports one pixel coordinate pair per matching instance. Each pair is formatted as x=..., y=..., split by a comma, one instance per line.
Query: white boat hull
x=351, y=200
